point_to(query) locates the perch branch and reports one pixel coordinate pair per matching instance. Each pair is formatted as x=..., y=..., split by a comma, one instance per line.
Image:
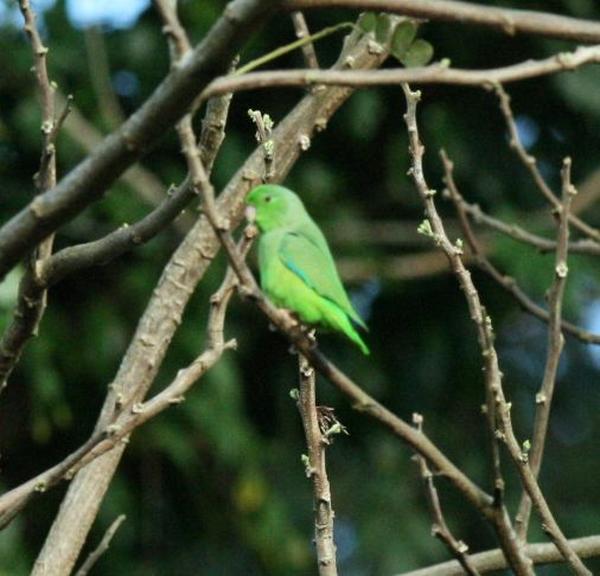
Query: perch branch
x=162, y=315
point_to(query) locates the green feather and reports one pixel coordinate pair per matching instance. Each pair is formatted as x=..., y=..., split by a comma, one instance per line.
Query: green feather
x=296, y=266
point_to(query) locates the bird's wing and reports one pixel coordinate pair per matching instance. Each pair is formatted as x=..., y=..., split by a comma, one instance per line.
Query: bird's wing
x=314, y=265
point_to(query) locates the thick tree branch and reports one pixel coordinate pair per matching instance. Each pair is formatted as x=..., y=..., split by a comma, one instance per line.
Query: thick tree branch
x=167, y=303
x=129, y=415
x=166, y=105
x=509, y=21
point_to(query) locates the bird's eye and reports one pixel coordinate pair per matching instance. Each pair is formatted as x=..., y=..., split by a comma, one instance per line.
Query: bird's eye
x=267, y=198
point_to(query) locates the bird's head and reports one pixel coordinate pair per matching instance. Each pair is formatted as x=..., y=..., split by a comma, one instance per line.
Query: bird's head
x=273, y=207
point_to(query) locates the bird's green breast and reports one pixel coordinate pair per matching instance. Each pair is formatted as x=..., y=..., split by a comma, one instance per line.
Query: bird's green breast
x=284, y=288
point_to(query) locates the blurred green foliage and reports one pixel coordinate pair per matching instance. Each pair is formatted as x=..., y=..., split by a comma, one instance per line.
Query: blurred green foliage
x=216, y=485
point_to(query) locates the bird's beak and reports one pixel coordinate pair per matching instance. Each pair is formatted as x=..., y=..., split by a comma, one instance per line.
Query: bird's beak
x=250, y=213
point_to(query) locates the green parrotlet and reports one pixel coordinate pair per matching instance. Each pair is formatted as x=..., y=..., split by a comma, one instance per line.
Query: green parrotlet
x=297, y=270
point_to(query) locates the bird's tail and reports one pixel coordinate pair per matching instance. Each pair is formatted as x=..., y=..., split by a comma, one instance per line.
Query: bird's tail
x=339, y=321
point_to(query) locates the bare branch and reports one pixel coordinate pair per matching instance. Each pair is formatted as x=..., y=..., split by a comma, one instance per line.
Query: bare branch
x=213, y=128
x=440, y=529
x=163, y=313
x=509, y=21
x=138, y=178
x=102, y=547
x=530, y=163
x=506, y=282
x=76, y=258
x=128, y=414
x=438, y=73
x=587, y=246
x=543, y=398
x=492, y=560
x=433, y=227
x=31, y=301
x=302, y=31
x=118, y=151
x=316, y=470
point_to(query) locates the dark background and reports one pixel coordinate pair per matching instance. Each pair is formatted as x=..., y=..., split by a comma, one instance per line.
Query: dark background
x=216, y=485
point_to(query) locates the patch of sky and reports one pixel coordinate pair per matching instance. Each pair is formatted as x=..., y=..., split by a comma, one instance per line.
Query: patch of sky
x=107, y=13
x=592, y=323
x=528, y=130
x=10, y=14
x=82, y=13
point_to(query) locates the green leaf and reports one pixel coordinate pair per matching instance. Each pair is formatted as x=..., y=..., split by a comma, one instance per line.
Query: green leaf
x=367, y=21
x=383, y=29
x=419, y=54
x=403, y=38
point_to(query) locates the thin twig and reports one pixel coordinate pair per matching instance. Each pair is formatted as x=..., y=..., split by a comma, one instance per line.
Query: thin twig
x=530, y=163
x=586, y=246
x=506, y=282
x=130, y=414
x=434, y=228
x=316, y=470
x=437, y=73
x=31, y=301
x=506, y=433
x=507, y=20
x=127, y=237
x=302, y=31
x=543, y=398
x=511, y=546
x=440, y=529
x=493, y=560
x=282, y=50
x=102, y=547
